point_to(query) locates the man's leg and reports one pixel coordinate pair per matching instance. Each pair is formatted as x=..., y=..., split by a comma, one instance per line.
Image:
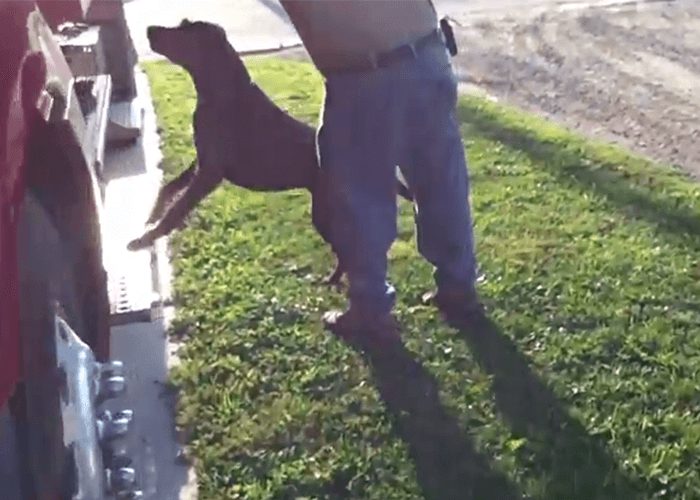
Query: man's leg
x=437, y=173
x=357, y=145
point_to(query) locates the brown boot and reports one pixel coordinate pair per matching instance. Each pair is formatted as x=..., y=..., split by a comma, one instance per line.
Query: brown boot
x=458, y=308
x=352, y=325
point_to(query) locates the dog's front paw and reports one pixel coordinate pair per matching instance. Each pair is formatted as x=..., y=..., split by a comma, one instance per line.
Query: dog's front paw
x=136, y=244
x=145, y=241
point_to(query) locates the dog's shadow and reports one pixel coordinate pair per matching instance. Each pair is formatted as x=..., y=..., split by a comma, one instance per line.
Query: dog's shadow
x=447, y=463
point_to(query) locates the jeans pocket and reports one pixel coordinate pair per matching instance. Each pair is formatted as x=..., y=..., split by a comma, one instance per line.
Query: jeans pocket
x=453, y=88
x=446, y=94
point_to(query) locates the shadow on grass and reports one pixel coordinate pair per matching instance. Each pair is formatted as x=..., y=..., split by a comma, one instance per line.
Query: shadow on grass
x=574, y=464
x=447, y=463
x=639, y=196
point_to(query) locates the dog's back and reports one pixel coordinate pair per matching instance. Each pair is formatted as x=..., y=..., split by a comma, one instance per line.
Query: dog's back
x=277, y=151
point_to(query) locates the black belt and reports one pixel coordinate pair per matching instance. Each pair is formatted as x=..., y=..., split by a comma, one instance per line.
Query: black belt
x=385, y=59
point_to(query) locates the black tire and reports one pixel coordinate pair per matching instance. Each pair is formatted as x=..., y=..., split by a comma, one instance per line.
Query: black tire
x=47, y=288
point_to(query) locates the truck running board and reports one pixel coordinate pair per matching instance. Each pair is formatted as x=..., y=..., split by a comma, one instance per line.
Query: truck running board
x=125, y=122
x=138, y=281
x=95, y=94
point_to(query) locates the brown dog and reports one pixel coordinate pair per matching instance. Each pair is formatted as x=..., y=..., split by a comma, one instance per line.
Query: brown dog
x=239, y=133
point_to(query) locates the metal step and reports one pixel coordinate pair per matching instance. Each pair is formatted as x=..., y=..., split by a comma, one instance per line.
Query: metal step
x=125, y=122
x=133, y=277
x=130, y=302
x=95, y=94
x=133, y=179
x=81, y=46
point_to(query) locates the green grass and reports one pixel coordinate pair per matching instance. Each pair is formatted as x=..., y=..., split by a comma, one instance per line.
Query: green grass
x=582, y=385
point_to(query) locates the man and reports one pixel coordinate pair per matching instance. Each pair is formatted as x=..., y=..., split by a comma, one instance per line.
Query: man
x=390, y=100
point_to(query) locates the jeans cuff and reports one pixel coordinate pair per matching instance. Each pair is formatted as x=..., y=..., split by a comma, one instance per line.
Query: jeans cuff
x=373, y=303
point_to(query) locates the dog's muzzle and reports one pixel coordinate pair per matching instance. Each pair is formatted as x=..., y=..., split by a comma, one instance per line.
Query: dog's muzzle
x=152, y=32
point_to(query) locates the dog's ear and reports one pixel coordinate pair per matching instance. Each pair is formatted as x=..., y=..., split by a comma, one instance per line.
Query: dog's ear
x=185, y=23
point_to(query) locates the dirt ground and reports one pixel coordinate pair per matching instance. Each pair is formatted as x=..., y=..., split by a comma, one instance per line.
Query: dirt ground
x=629, y=75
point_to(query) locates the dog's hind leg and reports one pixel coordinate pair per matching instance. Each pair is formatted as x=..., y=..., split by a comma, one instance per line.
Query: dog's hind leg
x=168, y=192
x=203, y=183
x=334, y=279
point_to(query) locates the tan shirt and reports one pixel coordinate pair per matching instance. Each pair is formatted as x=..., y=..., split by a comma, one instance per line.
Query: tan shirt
x=337, y=32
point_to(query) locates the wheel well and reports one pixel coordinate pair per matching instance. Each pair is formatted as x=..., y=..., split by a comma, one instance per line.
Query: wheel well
x=43, y=285
x=65, y=187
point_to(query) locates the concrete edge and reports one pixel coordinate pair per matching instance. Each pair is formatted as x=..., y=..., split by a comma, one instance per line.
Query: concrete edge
x=243, y=53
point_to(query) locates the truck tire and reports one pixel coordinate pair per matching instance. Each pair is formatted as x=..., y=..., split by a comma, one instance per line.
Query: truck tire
x=47, y=289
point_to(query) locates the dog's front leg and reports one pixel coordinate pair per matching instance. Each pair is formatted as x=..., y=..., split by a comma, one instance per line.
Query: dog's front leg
x=168, y=192
x=203, y=183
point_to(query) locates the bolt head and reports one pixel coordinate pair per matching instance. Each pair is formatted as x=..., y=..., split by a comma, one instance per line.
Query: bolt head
x=118, y=460
x=112, y=387
x=124, y=415
x=122, y=479
x=130, y=495
x=112, y=368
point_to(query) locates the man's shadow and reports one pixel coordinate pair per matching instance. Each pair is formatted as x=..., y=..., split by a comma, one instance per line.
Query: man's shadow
x=573, y=464
x=570, y=462
x=447, y=463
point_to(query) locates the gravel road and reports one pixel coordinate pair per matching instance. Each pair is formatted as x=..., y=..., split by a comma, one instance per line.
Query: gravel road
x=629, y=75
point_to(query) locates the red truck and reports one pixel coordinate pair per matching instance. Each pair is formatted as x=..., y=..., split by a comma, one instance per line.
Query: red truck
x=63, y=64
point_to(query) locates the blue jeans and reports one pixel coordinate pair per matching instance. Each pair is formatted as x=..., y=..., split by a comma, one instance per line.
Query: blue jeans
x=372, y=121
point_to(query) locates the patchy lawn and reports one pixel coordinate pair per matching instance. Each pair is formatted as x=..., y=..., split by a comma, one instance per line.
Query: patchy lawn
x=583, y=384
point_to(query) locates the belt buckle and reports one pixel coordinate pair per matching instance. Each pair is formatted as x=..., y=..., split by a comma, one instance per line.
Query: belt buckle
x=373, y=57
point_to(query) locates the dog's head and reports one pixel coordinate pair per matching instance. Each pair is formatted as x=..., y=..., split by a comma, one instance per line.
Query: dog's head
x=192, y=44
